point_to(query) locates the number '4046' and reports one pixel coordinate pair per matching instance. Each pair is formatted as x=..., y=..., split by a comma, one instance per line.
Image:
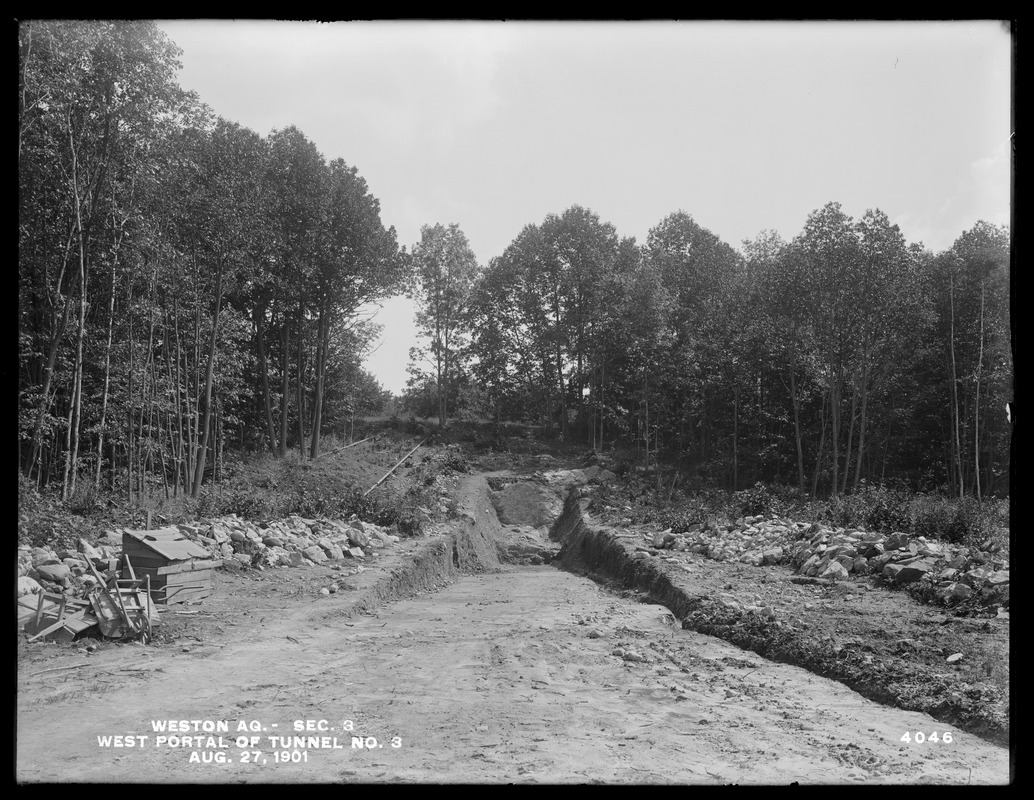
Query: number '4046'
x=919, y=737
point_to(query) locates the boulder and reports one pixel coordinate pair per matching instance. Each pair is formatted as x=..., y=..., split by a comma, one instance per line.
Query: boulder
x=333, y=551
x=976, y=577
x=834, y=571
x=896, y=541
x=907, y=573
x=55, y=573
x=870, y=549
x=960, y=591
x=358, y=537
x=27, y=585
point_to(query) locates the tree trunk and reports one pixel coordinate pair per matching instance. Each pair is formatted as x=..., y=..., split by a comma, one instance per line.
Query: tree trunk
x=954, y=387
x=107, y=380
x=259, y=315
x=284, y=386
x=206, y=409
x=850, y=441
x=822, y=444
x=735, y=437
x=72, y=441
x=976, y=405
x=299, y=389
x=861, y=430
x=48, y=373
x=797, y=427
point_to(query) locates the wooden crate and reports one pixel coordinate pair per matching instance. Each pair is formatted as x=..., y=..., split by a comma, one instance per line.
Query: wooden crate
x=181, y=570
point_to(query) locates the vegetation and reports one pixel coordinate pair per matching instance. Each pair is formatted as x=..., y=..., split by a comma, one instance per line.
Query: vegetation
x=186, y=285
x=189, y=288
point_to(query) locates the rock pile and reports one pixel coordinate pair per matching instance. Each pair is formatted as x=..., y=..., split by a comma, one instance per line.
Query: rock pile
x=950, y=573
x=62, y=571
x=294, y=541
x=290, y=542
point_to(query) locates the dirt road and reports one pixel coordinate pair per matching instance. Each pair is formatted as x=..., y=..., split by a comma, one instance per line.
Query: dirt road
x=526, y=675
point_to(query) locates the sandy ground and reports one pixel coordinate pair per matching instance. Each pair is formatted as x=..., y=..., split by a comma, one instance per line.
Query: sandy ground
x=526, y=675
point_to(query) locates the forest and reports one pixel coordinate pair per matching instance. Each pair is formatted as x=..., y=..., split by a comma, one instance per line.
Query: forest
x=189, y=287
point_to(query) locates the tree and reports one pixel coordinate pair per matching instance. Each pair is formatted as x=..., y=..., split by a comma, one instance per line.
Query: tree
x=445, y=270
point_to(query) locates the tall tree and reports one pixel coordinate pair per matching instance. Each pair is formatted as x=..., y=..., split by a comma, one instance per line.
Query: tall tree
x=445, y=270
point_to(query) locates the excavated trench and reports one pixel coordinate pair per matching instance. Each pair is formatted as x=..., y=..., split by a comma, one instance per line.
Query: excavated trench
x=602, y=556
x=502, y=522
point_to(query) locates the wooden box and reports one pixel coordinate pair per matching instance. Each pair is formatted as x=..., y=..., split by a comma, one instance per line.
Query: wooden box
x=181, y=570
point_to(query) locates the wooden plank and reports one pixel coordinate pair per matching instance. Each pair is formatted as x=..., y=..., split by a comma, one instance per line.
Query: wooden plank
x=197, y=576
x=183, y=594
x=188, y=566
x=141, y=560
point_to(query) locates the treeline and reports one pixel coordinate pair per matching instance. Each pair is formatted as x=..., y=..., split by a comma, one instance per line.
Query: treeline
x=846, y=355
x=188, y=285
x=185, y=284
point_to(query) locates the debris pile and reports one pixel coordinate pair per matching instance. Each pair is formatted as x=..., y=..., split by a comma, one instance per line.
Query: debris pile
x=73, y=591
x=119, y=606
x=290, y=542
x=950, y=573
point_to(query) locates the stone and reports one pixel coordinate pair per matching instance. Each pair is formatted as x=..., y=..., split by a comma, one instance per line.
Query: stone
x=334, y=551
x=953, y=658
x=272, y=541
x=870, y=549
x=896, y=541
x=55, y=573
x=111, y=539
x=772, y=556
x=237, y=536
x=27, y=585
x=960, y=591
x=976, y=577
x=947, y=574
x=860, y=565
x=834, y=571
x=295, y=559
x=315, y=554
x=1000, y=578
x=358, y=537
x=907, y=573
x=754, y=558
x=355, y=552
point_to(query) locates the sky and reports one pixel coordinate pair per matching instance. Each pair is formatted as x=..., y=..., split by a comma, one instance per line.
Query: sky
x=746, y=126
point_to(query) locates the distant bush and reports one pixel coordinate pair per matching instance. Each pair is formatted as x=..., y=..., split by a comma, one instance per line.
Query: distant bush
x=879, y=508
x=875, y=508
